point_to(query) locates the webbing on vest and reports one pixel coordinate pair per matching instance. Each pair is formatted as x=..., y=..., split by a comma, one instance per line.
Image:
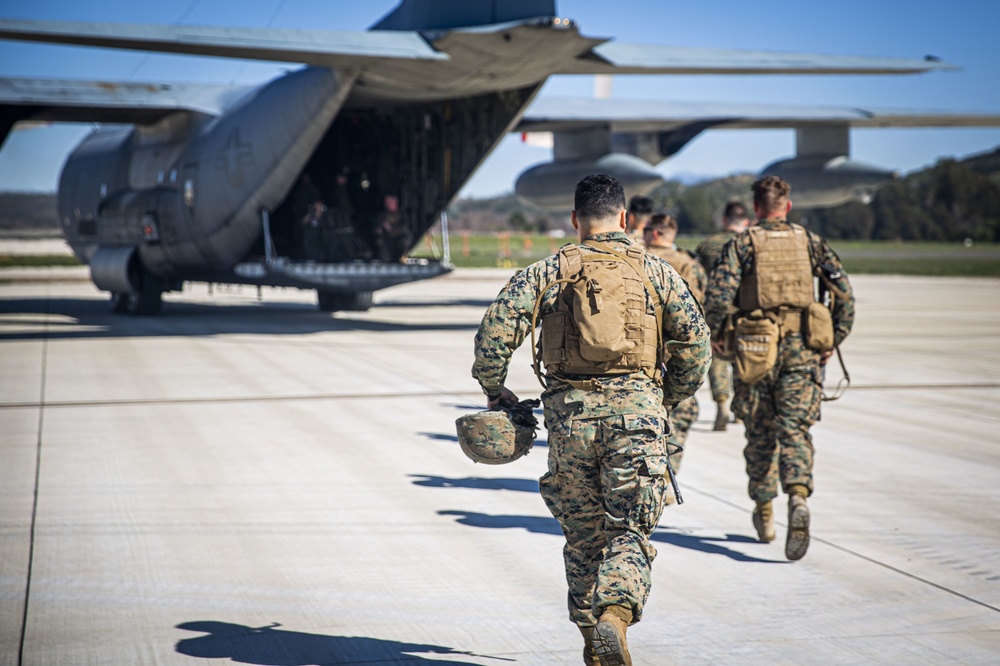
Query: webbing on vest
x=557, y=326
x=782, y=271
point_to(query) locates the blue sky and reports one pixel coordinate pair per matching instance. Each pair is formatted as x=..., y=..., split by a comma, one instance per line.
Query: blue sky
x=962, y=32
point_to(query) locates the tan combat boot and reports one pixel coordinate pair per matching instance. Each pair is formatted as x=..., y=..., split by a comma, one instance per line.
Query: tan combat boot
x=609, y=637
x=763, y=522
x=589, y=656
x=797, y=542
x=721, y=416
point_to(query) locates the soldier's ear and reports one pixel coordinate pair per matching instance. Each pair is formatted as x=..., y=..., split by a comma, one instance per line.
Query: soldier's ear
x=623, y=220
x=572, y=218
x=788, y=207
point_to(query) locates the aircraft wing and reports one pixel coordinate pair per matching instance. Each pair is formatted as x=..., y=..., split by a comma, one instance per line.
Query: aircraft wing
x=108, y=102
x=469, y=60
x=314, y=47
x=620, y=58
x=553, y=114
x=55, y=100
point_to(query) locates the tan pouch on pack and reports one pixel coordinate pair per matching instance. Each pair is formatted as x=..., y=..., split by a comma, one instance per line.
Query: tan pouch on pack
x=756, y=348
x=817, y=327
x=599, y=310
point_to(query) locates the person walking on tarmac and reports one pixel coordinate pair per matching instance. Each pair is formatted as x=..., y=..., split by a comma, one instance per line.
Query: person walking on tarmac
x=640, y=209
x=783, y=337
x=734, y=220
x=659, y=235
x=603, y=401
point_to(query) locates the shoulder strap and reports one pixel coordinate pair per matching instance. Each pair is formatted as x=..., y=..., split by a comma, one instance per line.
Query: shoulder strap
x=570, y=263
x=570, y=259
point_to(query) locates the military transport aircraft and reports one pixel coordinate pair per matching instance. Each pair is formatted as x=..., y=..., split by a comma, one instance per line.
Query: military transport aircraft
x=325, y=177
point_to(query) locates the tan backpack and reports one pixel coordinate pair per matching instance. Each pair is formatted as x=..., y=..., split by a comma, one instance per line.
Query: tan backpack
x=600, y=325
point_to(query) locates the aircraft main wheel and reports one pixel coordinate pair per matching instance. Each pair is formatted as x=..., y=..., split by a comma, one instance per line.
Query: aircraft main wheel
x=355, y=301
x=119, y=302
x=146, y=300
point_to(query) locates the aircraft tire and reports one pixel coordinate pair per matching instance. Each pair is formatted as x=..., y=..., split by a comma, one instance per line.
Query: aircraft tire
x=354, y=301
x=146, y=300
x=119, y=302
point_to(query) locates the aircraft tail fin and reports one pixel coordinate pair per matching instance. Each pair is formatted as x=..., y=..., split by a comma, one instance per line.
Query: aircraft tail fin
x=449, y=14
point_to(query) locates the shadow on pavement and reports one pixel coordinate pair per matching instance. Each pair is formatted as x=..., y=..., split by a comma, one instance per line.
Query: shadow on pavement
x=269, y=646
x=520, y=485
x=534, y=524
x=65, y=318
x=681, y=539
x=711, y=545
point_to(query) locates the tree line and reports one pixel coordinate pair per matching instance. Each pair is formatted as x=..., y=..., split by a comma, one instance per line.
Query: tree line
x=951, y=201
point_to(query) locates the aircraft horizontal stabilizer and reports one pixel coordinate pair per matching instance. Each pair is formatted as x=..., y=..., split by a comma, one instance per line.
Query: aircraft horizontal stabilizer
x=620, y=58
x=314, y=47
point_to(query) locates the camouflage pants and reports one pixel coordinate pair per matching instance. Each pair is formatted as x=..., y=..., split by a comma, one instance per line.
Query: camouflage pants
x=718, y=379
x=605, y=486
x=681, y=418
x=777, y=412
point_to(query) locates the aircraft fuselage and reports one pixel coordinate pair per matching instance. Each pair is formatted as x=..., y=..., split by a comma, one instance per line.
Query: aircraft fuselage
x=194, y=196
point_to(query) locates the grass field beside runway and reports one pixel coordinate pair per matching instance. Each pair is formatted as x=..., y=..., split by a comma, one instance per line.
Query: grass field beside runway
x=519, y=250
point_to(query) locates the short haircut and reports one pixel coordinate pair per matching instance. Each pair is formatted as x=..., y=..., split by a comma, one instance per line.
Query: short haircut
x=662, y=222
x=770, y=193
x=599, y=197
x=735, y=211
x=640, y=205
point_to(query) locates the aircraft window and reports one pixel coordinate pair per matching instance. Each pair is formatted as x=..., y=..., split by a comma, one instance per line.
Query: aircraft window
x=104, y=190
x=173, y=176
x=159, y=178
x=189, y=193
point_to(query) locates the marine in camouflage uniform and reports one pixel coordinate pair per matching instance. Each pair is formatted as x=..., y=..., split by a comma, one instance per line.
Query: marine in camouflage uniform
x=734, y=220
x=659, y=235
x=779, y=409
x=640, y=210
x=607, y=472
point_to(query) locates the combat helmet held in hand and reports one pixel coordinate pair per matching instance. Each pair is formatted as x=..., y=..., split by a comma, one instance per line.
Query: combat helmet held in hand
x=498, y=436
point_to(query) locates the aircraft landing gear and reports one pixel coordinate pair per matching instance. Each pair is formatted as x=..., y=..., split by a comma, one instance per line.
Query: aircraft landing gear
x=145, y=298
x=355, y=301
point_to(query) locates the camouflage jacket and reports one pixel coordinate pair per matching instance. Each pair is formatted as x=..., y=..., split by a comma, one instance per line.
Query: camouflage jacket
x=724, y=282
x=685, y=336
x=710, y=249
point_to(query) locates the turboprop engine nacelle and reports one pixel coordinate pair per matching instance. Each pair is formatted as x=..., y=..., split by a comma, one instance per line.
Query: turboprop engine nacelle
x=825, y=181
x=550, y=186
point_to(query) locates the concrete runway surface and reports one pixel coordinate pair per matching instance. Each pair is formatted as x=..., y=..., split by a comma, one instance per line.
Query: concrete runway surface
x=256, y=482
